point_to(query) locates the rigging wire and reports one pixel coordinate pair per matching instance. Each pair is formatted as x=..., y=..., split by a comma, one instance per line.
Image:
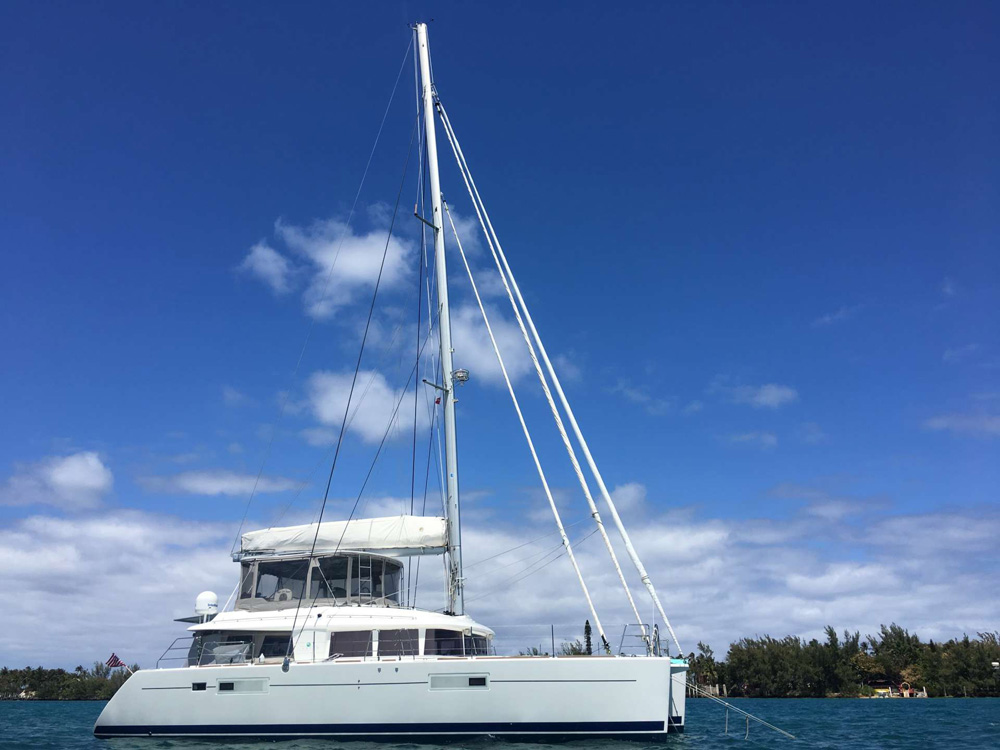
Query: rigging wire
x=506, y=273
x=525, y=544
x=595, y=515
x=325, y=458
x=527, y=433
x=518, y=577
x=347, y=407
x=423, y=507
x=388, y=428
x=312, y=322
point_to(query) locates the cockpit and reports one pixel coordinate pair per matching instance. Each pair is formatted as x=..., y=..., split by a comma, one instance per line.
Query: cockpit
x=343, y=578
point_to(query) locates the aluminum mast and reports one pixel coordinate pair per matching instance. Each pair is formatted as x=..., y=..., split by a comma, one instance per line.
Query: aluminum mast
x=456, y=597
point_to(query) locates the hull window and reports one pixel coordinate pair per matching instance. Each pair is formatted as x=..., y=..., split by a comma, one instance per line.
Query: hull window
x=459, y=682
x=251, y=685
x=357, y=643
x=398, y=643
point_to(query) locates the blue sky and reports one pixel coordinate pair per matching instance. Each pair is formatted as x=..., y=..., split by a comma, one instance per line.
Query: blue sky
x=762, y=239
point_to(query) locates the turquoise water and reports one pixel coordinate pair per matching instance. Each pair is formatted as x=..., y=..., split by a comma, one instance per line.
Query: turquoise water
x=868, y=724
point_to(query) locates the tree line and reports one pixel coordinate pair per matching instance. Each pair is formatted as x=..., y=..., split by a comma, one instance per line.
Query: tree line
x=850, y=665
x=98, y=683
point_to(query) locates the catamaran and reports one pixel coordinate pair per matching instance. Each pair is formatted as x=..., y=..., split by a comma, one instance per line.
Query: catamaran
x=320, y=641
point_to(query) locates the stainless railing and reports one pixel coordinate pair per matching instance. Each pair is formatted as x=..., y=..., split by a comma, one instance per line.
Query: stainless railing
x=231, y=652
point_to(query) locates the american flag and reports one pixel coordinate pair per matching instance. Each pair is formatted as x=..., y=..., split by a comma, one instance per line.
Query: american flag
x=114, y=662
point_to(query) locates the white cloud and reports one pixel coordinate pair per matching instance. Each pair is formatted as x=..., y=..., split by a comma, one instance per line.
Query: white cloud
x=959, y=353
x=355, y=260
x=629, y=496
x=834, y=509
x=270, y=266
x=77, y=481
x=801, y=569
x=372, y=407
x=474, y=351
x=567, y=370
x=760, y=439
x=655, y=406
x=338, y=263
x=935, y=533
x=469, y=232
x=823, y=504
x=319, y=437
x=839, y=579
x=795, y=577
x=979, y=425
x=116, y=579
x=693, y=407
x=838, y=316
x=217, y=482
x=767, y=396
x=233, y=397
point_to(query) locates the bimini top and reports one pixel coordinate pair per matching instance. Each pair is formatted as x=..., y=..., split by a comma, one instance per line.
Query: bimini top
x=395, y=535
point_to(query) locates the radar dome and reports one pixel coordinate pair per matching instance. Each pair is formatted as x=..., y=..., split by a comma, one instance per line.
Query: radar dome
x=207, y=603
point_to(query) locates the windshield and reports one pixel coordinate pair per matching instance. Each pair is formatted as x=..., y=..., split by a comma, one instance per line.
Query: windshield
x=281, y=581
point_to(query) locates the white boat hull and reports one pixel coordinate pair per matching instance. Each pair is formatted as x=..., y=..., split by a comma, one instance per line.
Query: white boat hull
x=414, y=699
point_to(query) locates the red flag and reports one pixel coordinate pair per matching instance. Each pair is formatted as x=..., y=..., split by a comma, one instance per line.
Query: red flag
x=114, y=662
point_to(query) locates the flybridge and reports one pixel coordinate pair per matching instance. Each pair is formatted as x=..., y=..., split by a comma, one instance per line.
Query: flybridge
x=401, y=536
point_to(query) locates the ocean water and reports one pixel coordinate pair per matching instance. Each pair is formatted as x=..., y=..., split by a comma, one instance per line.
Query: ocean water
x=834, y=723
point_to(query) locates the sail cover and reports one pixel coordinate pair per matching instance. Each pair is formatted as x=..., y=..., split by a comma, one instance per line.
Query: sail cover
x=394, y=534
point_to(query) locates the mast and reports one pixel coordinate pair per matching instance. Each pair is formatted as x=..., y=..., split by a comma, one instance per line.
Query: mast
x=456, y=598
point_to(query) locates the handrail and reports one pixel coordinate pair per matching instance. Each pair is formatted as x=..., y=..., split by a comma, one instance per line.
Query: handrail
x=191, y=661
x=174, y=647
x=705, y=694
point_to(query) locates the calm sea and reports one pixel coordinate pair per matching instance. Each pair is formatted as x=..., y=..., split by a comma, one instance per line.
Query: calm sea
x=868, y=724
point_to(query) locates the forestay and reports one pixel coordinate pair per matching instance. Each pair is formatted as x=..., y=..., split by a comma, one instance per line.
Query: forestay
x=400, y=535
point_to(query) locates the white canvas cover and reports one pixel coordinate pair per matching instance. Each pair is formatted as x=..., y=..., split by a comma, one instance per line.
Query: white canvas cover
x=394, y=533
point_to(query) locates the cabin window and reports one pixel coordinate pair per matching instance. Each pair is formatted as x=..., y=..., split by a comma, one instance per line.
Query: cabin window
x=443, y=643
x=329, y=579
x=476, y=645
x=351, y=643
x=398, y=643
x=366, y=578
x=220, y=648
x=274, y=646
x=393, y=580
x=246, y=581
x=281, y=581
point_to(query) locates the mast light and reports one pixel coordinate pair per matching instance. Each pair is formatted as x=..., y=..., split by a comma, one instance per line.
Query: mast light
x=461, y=375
